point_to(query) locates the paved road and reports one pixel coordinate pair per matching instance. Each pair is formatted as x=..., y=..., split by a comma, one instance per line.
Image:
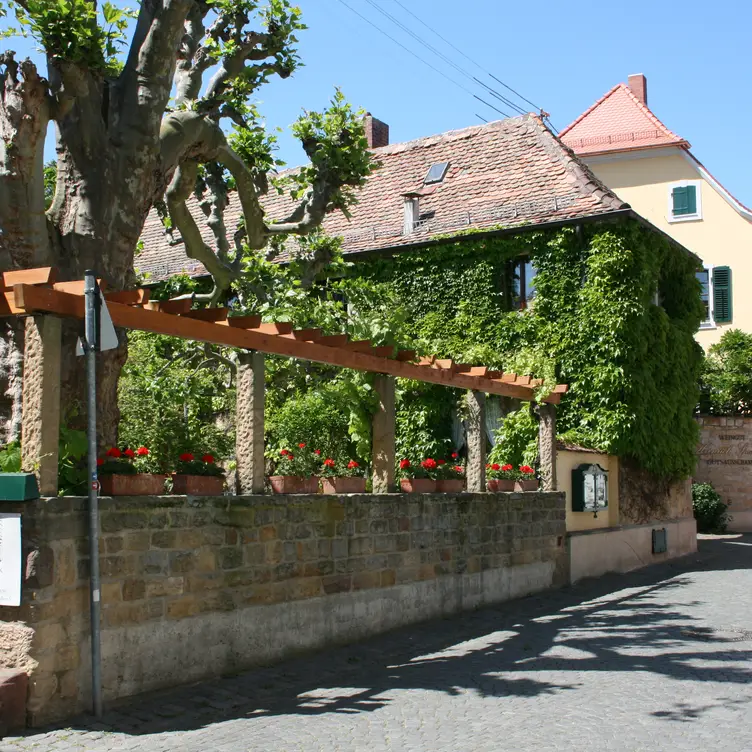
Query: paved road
x=655, y=660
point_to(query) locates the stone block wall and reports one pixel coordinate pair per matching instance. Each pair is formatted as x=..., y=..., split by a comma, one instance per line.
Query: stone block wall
x=194, y=588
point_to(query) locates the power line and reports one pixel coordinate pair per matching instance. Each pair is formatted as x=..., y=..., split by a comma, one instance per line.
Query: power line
x=418, y=57
x=480, y=117
x=440, y=54
x=467, y=57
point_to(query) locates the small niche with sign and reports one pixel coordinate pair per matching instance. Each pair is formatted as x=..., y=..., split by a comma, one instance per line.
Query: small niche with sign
x=589, y=489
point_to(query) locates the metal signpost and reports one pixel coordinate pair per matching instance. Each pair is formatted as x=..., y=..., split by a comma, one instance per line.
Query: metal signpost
x=99, y=335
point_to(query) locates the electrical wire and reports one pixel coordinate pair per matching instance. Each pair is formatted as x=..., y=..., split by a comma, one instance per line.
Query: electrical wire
x=467, y=57
x=441, y=55
x=418, y=57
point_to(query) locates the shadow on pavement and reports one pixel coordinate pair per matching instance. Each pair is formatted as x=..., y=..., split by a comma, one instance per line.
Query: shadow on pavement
x=592, y=627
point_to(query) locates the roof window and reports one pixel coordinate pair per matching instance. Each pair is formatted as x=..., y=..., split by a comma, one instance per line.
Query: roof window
x=436, y=173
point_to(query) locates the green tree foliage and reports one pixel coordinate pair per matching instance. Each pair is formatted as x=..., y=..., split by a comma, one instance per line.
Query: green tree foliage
x=710, y=511
x=727, y=376
x=175, y=398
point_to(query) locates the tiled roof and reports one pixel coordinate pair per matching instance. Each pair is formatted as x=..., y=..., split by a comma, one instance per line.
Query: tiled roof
x=509, y=172
x=618, y=121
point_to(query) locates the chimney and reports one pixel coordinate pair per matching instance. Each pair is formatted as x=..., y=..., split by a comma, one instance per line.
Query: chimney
x=412, y=213
x=377, y=133
x=639, y=86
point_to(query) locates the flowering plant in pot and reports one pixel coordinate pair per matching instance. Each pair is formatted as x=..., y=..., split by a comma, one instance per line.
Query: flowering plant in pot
x=130, y=472
x=341, y=477
x=451, y=475
x=198, y=476
x=526, y=480
x=500, y=477
x=420, y=478
x=296, y=471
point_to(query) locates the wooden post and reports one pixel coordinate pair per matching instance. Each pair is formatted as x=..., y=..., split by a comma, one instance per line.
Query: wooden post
x=40, y=422
x=383, y=436
x=547, y=446
x=249, y=423
x=476, y=442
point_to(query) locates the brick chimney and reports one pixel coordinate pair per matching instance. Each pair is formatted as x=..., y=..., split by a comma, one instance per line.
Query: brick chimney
x=639, y=86
x=377, y=132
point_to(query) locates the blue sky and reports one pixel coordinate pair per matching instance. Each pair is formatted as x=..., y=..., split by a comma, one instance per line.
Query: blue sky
x=560, y=56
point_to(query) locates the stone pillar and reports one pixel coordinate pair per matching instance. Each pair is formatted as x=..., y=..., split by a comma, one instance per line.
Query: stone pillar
x=249, y=423
x=547, y=446
x=383, y=436
x=40, y=422
x=476, y=442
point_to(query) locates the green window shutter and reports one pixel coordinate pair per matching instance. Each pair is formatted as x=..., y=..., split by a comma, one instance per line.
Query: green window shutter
x=722, y=308
x=679, y=196
x=684, y=200
x=691, y=199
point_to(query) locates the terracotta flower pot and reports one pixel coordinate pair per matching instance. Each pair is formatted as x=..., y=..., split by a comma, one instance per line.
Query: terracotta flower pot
x=343, y=485
x=139, y=484
x=418, y=485
x=450, y=485
x=500, y=485
x=294, y=484
x=198, y=485
x=526, y=485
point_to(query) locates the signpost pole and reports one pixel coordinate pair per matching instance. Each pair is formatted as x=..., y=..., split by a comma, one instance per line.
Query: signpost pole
x=91, y=344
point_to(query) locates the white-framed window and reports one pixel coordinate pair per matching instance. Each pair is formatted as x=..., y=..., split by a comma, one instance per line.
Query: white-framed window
x=716, y=295
x=685, y=201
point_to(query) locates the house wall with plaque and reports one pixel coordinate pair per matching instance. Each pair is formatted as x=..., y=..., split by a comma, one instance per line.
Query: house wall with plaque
x=724, y=459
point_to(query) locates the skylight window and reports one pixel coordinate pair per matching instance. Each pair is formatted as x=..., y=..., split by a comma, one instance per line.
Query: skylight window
x=436, y=173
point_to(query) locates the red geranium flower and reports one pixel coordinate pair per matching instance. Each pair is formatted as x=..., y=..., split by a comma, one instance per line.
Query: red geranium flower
x=488, y=465
x=142, y=451
x=496, y=466
x=352, y=464
x=208, y=458
x=129, y=453
x=114, y=452
x=317, y=451
x=526, y=469
x=186, y=457
x=302, y=445
x=442, y=462
x=328, y=462
x=506, y=468
x=454, y=455
x=404, y=464
x=100, y=461
x=284, y=452
x=458, y=469
x=429, y=463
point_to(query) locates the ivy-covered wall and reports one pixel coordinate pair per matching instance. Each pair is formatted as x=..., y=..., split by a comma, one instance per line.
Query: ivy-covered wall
x=614, y=314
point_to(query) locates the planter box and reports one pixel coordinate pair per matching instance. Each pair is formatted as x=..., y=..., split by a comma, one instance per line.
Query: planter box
x=450, y=485
x=198, y=485
x=139, y=484
x=18, y=487
x=497, y=486
x=343, y=485
x=294, y=484
x=418, y=485
x=526, y=485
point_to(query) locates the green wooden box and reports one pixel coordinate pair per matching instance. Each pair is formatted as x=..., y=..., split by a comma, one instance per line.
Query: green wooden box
x=18, y=487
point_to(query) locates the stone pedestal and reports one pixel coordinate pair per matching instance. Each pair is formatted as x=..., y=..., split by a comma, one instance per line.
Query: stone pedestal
x=476, y=442
x=249, y=423
x=547, y=446
x=383, y=436
x=40, y=426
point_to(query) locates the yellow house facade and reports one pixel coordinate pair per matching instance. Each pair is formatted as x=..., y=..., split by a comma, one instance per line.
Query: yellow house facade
x=653, y=170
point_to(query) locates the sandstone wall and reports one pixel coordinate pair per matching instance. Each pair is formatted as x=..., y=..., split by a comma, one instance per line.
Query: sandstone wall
x=194, y=588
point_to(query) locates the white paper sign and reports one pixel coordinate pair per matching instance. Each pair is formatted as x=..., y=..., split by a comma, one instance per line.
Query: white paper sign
x=10, y=559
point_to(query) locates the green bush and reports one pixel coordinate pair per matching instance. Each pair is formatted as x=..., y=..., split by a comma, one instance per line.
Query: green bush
x=516, y=441
x=711, y=512
x=727, y=376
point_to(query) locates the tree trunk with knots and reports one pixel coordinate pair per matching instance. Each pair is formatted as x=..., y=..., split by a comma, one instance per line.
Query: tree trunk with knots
x=121, y=150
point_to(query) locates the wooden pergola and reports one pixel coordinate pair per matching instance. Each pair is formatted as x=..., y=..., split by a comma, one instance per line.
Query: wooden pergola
x=36, y=293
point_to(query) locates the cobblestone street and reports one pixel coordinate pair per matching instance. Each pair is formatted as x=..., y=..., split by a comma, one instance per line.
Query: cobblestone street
x=655, y=660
